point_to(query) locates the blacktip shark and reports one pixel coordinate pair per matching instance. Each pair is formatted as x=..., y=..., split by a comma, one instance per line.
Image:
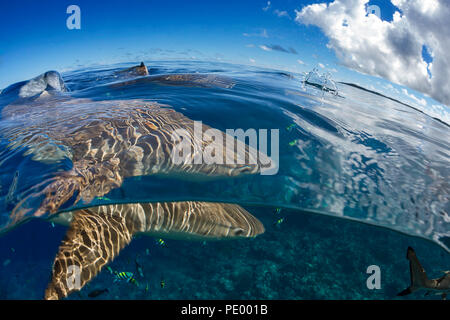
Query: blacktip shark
x=106, y=142
x=420, y=280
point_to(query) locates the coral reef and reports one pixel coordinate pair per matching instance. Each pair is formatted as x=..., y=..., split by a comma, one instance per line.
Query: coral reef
x=307, y=256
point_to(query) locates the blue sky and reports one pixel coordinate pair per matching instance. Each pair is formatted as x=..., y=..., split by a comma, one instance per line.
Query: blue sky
x=123, y=30
x=34, y=37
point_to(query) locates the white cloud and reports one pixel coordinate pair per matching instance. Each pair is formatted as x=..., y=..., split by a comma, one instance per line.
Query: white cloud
x=250, y=45
x=252, y=60
x=267, y=7
x=281, y=13
x=421, y=101
x=262, y=34
x=300, y=61
x=321, y=65
x=391, y=88
x=438, y=111
x=391, y=50
x=265, y=48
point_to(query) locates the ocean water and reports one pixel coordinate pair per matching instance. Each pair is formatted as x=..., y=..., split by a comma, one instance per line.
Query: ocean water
x=360, y=178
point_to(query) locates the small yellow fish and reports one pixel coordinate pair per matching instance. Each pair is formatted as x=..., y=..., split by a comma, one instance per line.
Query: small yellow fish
x=133, y=281
x=290, y=127
x=161, y=242
x=292, y=143
x=104, y=198
x=127, y=276
x=277, y=210
x=146, y=288
x=163, y=284
x=279, y=221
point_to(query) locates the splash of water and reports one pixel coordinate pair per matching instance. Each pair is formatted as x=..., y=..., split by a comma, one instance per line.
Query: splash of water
x=322, y=81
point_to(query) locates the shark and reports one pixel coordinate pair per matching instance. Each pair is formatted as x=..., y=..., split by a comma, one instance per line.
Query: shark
x=420, y=280
x=107, y=142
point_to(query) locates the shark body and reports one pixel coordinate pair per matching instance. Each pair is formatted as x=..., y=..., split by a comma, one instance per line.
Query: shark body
x=107, y=142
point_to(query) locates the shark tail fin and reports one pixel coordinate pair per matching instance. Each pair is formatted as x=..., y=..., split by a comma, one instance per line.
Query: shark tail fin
x=417, y=273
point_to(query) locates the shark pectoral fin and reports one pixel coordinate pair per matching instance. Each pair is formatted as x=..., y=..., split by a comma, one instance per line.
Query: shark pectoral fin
x=93, y=239
x=85, y=181
x=99, y=178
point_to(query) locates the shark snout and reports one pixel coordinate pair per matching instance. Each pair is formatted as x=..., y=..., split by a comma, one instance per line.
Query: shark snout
x=247, y=227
